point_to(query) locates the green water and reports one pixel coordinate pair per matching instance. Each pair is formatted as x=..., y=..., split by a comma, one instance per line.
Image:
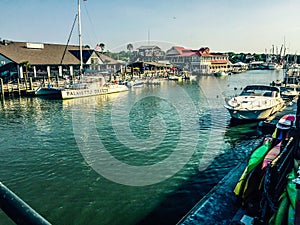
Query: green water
x=119, y=158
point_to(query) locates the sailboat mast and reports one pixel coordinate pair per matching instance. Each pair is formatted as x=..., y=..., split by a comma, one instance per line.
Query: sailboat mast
x=80, y=37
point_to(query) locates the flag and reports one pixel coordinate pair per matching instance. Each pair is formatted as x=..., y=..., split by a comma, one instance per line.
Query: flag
x=97, y=46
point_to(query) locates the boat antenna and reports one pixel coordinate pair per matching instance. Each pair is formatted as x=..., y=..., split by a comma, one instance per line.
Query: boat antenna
x=80, y=37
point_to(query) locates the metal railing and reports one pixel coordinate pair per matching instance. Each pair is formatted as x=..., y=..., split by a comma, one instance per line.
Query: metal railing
x=18, y=210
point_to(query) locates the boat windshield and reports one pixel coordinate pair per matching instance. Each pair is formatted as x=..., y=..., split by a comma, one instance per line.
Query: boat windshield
x=259, y=91
x=290, y=89
x=256, y=93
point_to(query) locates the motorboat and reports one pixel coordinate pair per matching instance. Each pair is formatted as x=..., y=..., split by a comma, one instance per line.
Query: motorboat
x=256, y=102
x=220, y=74
x=289, y=92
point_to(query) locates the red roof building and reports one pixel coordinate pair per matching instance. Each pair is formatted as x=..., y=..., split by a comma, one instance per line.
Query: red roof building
x=201, y=61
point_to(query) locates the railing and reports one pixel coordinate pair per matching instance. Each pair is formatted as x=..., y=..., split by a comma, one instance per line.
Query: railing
x=18, y=210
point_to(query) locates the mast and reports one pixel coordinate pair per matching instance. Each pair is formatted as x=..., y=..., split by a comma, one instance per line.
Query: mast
x=80, y=38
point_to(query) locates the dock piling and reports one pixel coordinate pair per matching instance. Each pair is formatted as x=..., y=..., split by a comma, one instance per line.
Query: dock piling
x=2, y=88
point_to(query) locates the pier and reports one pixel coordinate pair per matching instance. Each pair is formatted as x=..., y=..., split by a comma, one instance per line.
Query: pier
x=19, y=89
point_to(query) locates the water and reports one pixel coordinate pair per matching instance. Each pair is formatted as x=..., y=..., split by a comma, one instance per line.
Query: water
x=142, y=157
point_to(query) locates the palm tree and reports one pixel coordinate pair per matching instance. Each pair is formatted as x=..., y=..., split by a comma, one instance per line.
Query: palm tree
x=130, y=47
x=102, y=46
x=26, y=65
x=130, y=55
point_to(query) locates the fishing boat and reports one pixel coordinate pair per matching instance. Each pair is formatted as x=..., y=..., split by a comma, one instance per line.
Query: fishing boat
x=86, y=84
x=256, y=102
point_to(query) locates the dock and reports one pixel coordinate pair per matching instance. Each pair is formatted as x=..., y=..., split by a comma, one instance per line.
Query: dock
x=221, y=206
x=17, y=89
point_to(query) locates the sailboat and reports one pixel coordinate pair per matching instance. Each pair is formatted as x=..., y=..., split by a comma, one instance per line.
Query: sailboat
x=88, y=85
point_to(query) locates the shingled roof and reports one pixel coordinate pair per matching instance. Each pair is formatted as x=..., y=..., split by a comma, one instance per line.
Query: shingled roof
x=47, y=54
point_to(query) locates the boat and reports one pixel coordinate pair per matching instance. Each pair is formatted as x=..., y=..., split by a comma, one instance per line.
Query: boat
x=289, y=92
x=220, y=74
x=274, y=66
x=256, y=102
x=135, y=83
x=153, y=81
x=174, y=77
x=89, y=84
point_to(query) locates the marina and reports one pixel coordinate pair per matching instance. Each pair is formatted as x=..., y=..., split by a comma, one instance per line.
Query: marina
x=150, y=135
x=43, y=162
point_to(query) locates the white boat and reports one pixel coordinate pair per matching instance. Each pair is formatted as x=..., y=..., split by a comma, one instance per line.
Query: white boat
x=174, y=77
x=193, y=77
x=86, y=86
x=274, y=66
x=96, y=86
x=135, y=83
x=153, y=81
x=220, y=74
x=256, y=102
x=289, y=92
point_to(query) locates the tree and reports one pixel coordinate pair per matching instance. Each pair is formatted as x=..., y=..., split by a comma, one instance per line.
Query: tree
x=26, y=65
x=130, y=47
x=102, y=46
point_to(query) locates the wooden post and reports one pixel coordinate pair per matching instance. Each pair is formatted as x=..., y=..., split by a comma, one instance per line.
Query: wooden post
x=30, y=83
x=25, y=79
x=19, y=88
x=57, y=79
x=2, y=89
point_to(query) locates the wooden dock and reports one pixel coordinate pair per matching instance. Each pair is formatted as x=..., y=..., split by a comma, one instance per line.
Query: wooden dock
x=17, y=89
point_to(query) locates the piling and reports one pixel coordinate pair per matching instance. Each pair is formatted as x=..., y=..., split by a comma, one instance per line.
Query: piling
x=30, y=83
x=2, y=88
x=19, y=87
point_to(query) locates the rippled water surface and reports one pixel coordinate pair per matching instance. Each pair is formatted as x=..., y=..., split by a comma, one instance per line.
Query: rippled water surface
x=145, y=156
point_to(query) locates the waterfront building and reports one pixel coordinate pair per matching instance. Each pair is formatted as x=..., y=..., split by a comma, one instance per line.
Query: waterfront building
x=150, y=53
x=39, y=60
x=200, y=61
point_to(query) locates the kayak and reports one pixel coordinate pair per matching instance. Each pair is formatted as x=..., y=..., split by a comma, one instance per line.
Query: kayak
x=255, y=159
x=271, y=155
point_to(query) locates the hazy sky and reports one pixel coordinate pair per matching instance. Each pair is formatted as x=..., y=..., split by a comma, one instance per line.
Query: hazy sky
x=222, y=25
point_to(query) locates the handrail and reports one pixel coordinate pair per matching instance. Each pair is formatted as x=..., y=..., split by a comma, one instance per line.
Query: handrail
x=18, y=210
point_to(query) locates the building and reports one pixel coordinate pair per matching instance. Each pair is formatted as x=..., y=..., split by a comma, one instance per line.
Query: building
x=151, y=53
x=200, y=61
x=39, y=60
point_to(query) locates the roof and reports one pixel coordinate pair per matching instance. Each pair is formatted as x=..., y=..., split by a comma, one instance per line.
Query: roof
x=219, y=61
x=181, y=51
x=148, y=47
x=107, y=60
x=45, y=54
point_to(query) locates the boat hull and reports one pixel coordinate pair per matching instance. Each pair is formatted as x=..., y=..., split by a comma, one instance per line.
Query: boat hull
x=254, y=114
x=55, y=92
x=86, y=92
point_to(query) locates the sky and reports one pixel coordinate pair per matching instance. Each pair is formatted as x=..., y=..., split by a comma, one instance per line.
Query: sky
x=249, y=26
